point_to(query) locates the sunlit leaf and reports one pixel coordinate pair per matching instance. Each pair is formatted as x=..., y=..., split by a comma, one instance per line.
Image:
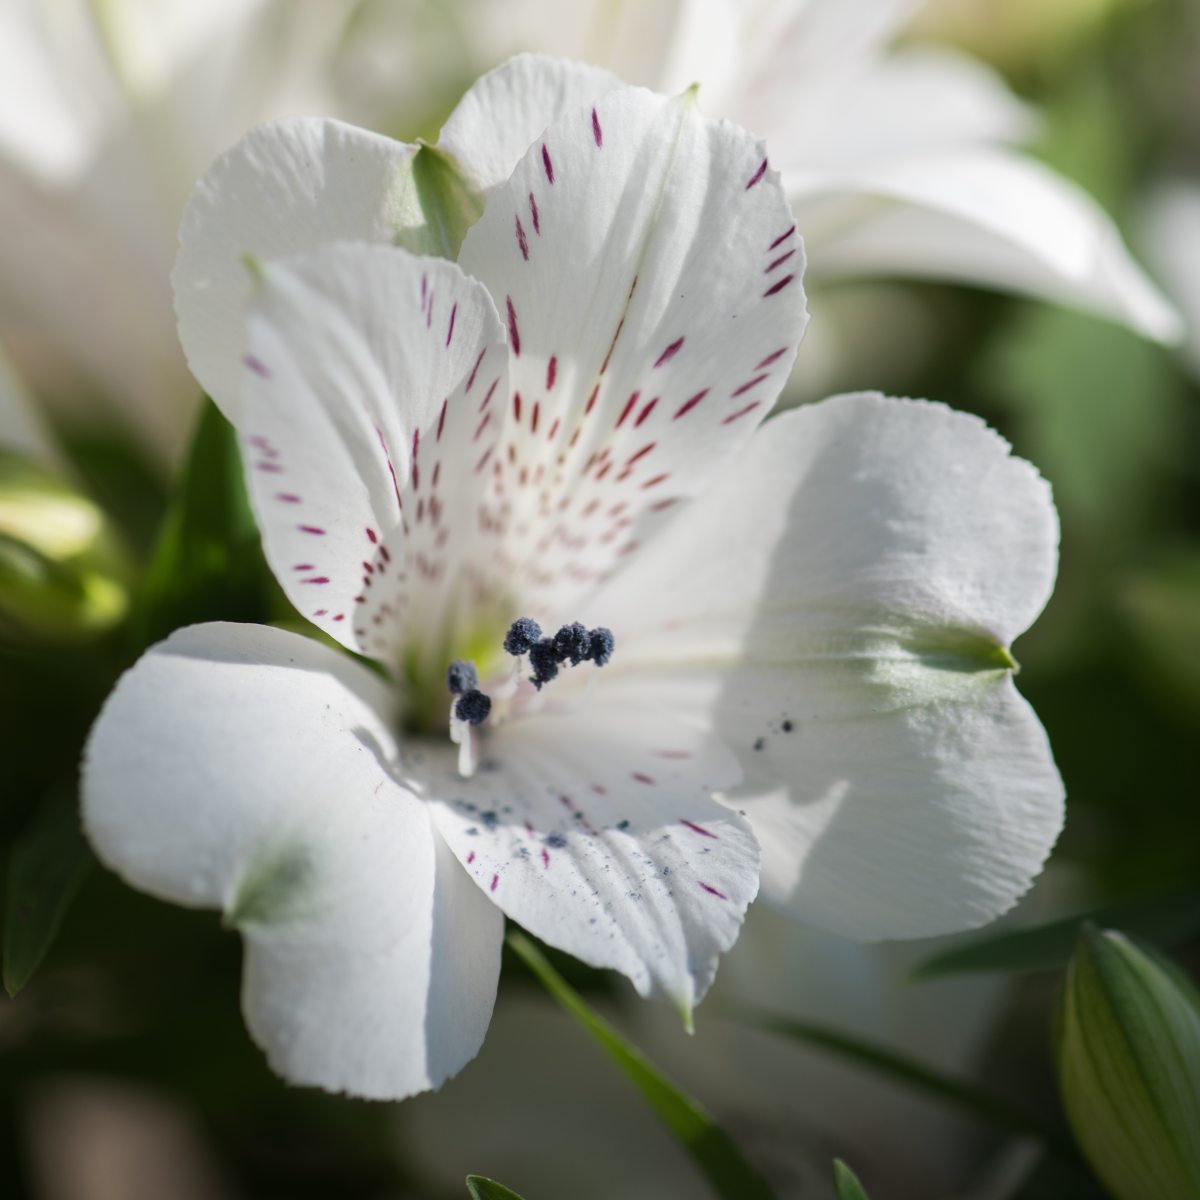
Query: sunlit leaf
x=848, y=1187
x=722, y=1163
x=46, y=866
x=1164, y=919
x=488, y=1189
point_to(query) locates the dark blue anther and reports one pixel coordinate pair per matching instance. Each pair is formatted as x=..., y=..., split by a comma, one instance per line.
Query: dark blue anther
x=473, y=706
x=461, y=676
x=602, y=645
x=544, y=660
x=573, y=642
x=522, y=636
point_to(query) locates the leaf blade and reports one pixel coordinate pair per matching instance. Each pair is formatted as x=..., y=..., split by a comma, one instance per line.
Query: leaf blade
x=846, y=1182
x=482, y=1188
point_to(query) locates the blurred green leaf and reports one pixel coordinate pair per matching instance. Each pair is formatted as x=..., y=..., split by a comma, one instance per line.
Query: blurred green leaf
x=1165, y=919
x=438, y=204
x=848, y=1187
x=488, y=1189
x=207, y=563
x=46, y=866
x=1128, y=1057
x=916, y=1075
x=1161, y=605
x=722, y=1163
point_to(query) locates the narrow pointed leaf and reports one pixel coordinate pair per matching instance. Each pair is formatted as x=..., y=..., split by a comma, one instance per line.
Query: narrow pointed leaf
x=848, y=1187
x=728, y=1172
x=207, y=563
x=488, y=1189
x=902, y=1069
x=45, y=869
x=1164, y=920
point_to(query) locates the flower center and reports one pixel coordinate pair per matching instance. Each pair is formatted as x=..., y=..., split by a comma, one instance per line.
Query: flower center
x=470, y=707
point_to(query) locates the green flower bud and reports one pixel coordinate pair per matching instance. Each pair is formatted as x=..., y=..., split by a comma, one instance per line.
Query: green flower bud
x=62, y=573
x=1129, y=1067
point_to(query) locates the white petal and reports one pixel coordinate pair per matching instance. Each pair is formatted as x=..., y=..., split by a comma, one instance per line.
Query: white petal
x=287, y=186
x=647, y=266
x=247, y=769
x=367, y=384
x=593, y=827
x=1170, y=227
x=980, y=216
x=840, y=603
x=505, y=111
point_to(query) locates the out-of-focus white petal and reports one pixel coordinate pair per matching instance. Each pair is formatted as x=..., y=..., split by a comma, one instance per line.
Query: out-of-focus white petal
x=839, y=602
x=1170, y=233
x=287, y=186
x=593, y=826
x=251, y=770
x=647, y=267
x=367, y=385
x=985, y=216
x=504, y=112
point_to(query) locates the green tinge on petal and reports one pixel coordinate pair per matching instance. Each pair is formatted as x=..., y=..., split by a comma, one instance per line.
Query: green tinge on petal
x=274, y=889
x=1128, y=1051
x=434, y=205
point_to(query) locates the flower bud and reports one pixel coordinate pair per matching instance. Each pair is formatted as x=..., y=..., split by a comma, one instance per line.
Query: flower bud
x=1129, y=1067
x=62, y=574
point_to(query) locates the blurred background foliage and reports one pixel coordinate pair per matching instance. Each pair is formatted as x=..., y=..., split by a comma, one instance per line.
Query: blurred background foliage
x=125, y=1057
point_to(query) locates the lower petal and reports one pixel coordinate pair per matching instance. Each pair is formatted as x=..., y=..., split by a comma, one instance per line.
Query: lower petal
x=248, y=769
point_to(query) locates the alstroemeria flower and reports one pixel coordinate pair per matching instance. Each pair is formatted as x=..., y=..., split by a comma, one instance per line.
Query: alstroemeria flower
x=810, y=686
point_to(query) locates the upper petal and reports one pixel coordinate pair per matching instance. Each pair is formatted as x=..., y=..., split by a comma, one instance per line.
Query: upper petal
x=838, y=606
x=247, y=769
x=646, y=264
x=987, y=216
x=367, y=385
x=287, y=186
x=506, y=110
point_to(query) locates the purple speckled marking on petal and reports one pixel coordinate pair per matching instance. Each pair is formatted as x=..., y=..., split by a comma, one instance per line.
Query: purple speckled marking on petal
x=687, y=406
x=708, y=833
x=453, y=314
x=551, y=372
x=287, y=497
x=315, y=530
x=597, y=132
x=712, y=891
x=778, y=287
x=522, y=243
x=547, y=164
x=766, y=362
x=474, y=371
x=757, y=176
x=316, y=579
x=778, y=262
x=741, y=412
x=752, y=383
x=257, y=366
x=496, y=883
x=536, y=217
x=783, y=237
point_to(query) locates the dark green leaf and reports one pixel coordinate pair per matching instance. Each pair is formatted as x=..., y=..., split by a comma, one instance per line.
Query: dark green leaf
x=45, y=869
x=963, y=1096
x=848, y=1187
x=1165, y=920
x=722, y=1163
x=207, y=563
x=488, y=1189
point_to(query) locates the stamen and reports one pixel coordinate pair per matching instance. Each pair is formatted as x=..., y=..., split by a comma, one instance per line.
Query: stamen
x=543, y=658
x=522, y=636
x=573, y=642
x=461, y=676
x=473, y=707
x=602, y=644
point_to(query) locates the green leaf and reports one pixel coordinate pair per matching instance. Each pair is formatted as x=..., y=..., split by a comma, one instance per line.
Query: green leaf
x=488, y=1189
x=721, y=1162
x=963, y=1096
x=207, y=563
x=437, y=204
x=46, y=866
x=1128, y=1058
x=848, y=1187
x=1165, y=919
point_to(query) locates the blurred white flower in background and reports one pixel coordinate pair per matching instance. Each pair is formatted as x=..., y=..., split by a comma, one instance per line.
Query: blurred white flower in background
x=1170, y=233
x=897, y=161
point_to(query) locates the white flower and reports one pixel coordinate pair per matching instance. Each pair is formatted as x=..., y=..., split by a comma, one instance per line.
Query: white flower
x=896, y=161
x=1170, y=223
x=811, y=621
